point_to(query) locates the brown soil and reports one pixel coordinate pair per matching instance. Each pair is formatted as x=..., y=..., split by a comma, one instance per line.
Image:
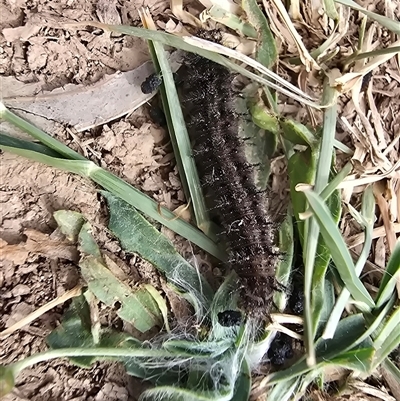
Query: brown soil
x=35, y=51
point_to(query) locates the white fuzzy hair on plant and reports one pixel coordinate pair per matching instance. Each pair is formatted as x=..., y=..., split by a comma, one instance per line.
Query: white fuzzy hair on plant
x=221, y=369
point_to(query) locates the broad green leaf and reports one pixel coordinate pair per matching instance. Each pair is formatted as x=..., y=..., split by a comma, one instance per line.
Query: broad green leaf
x=87, y=244
x=267, y=53
x=338, y=248
x=358, y=360
x=259, y=144
x=137, y=235
x=75, y=332
x=69, y=222
x=298, y=133
x=137, y=307
x=263, y=119
x=212, y=348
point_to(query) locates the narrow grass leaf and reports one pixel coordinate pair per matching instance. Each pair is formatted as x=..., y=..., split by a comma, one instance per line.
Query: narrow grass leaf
x=388, y=347
x=367, y=216
x=137, y=235
x=38, y=134
x=267, y=53
x=330, y=9
x=7, y=380
x=180, y=139
x=388, y=23
x=7, y=140
x=302, y=169
x=134, y=197
x=284, y=390
x=389, y=336
x=340, y=254
x=136, y=307
x=391, y=369
x=390, y=278
x=316, y=254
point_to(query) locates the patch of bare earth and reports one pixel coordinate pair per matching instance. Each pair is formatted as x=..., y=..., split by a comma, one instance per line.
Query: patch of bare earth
x=37, y=265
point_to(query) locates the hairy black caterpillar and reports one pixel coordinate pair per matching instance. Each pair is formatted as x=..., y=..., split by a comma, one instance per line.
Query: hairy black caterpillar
x=280, y=350
x=241, y=209
x=151, y=83
x=230, y=318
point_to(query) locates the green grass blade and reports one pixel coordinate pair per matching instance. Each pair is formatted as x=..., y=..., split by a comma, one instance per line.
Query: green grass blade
x=330, y=9
x=390, y=278
x=388, y=339
x=131, y=195
x=367, y=214
x=284, y=267
x=10, y=141
x=314, y=276
x=284, y=390
x=38, y=134
x=181, y=141
x=391, y=369
x=243, y=384
x=340, y=254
